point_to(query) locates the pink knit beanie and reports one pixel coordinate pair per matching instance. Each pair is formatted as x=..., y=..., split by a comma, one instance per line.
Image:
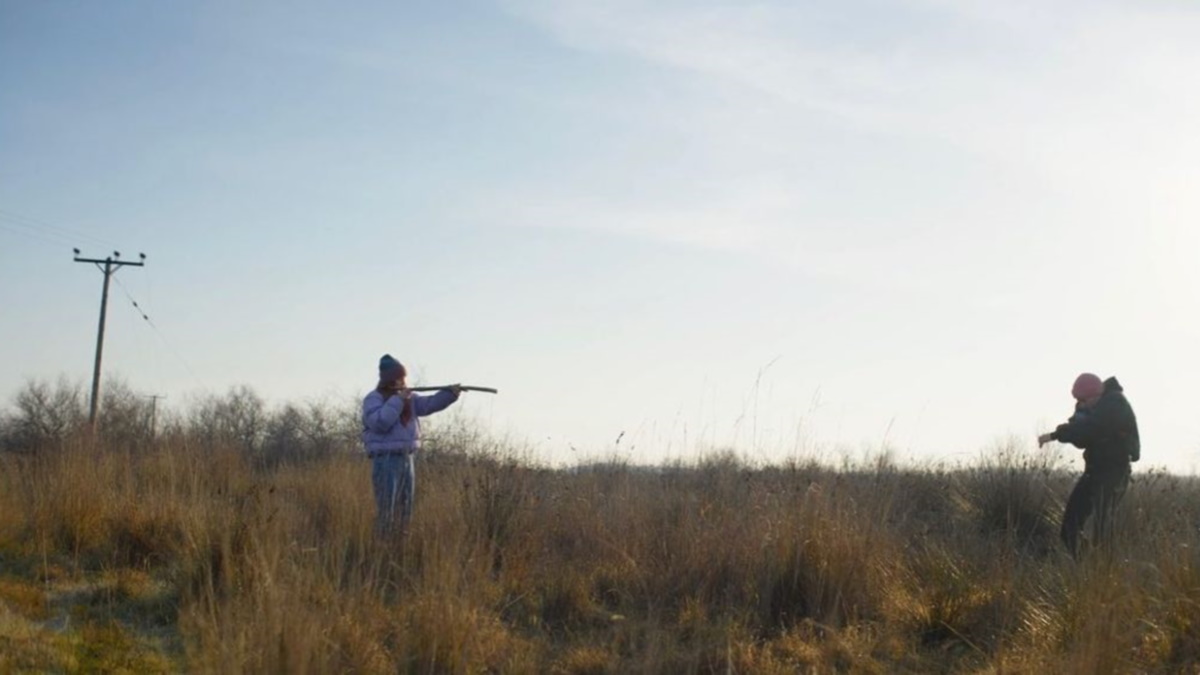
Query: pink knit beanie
x=1087, y=386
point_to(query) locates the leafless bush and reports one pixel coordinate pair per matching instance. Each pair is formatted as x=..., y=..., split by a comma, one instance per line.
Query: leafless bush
x=45, y=417
x=298, y=433
x=125, y=416
x=236, y=419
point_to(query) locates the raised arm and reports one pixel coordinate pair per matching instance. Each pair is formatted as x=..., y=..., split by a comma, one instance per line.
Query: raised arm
x=1079, y=431
x=427, y=405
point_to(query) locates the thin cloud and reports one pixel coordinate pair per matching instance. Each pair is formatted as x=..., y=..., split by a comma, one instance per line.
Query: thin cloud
x=1077, y=112
x=1020, y=82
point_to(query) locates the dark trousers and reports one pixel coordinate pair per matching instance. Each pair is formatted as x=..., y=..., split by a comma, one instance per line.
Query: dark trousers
x=1096, y=495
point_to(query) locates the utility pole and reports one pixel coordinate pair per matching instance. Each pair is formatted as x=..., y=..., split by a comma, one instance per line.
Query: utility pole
x=109, y=266
x=154, y=413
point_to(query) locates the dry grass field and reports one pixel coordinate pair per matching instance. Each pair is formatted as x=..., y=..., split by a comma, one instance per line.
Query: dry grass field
x=185, y=555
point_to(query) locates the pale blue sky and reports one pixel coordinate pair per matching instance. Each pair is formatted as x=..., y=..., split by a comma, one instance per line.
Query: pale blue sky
x=829, y=226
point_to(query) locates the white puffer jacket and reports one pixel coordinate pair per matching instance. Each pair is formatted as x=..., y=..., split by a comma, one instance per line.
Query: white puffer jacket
x=383, y=434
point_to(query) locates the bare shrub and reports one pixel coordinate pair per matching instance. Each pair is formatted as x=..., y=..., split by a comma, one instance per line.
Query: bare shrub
x=302, y=433
x=238, y=418
x=46, y=416
x=124, y=416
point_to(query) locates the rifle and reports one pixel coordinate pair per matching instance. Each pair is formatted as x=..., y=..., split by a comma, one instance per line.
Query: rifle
x=463, y=387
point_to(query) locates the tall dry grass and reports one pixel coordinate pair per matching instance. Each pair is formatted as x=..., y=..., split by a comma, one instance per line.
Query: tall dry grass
x=184, y=557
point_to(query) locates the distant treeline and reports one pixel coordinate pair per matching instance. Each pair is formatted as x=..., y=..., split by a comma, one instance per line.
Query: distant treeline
x=45, y=416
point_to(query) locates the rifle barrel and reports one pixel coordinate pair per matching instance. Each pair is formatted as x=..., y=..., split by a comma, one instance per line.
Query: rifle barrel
x=464, y=387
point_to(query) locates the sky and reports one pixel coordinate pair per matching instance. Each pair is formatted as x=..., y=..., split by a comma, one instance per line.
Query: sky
x=659, y=228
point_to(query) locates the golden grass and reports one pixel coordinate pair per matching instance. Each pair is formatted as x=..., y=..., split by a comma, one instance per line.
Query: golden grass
x=175, y=559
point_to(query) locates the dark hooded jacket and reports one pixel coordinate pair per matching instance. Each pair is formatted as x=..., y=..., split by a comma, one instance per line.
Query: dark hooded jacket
x=1108, y=433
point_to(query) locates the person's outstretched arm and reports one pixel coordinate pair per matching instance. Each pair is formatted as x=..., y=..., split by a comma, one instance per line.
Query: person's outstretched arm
x=428, y=405
x=1084, y=430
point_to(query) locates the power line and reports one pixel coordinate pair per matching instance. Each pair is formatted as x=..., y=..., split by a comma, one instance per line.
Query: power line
x=16, y=224
x=49, y=229
x=171, y=347
x=136, y=306
x=32, y=234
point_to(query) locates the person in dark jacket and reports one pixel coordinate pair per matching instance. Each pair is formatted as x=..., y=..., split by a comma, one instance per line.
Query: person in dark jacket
x=1105, y=427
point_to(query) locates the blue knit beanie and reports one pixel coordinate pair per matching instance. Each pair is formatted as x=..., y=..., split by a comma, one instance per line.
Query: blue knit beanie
x=390, y=369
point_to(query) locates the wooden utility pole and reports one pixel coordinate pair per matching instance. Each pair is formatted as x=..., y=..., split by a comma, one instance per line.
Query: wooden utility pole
x=109, y=266
x=154, y=413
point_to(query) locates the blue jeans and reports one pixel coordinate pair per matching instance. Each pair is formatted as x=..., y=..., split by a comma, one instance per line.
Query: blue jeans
x=394, y=480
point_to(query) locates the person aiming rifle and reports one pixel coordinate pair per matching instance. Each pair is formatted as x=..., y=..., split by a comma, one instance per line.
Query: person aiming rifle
x=1105, y=427
x=392, y=436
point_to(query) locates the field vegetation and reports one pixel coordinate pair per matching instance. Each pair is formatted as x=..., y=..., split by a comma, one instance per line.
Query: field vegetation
x=237, y=538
